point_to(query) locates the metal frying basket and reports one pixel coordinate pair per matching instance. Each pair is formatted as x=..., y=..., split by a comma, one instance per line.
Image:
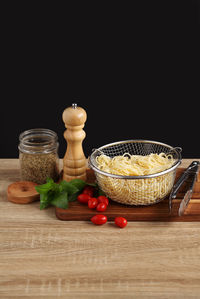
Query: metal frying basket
x=136, y=190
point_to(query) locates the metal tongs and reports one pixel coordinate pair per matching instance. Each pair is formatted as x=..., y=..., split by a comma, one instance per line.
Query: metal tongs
x=189, y=174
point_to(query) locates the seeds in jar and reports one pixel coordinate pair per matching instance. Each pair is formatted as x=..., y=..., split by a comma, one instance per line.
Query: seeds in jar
x=37, y=167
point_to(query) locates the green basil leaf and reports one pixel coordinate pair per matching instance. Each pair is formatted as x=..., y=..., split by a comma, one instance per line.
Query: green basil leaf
x=49, y=180
x=60, y=200
x=68, y=187
x=73, y=196
x=55, y=188
x=44, y=188
x=44, y=201
x=61, y=194
x=78, y=183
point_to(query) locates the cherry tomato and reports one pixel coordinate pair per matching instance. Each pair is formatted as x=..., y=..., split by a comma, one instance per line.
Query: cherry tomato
x=99, y=219
x=83, y=198
x=120, y=221
x=92, y=203
x=103, y=199
x=88, y=190
x=101, y=207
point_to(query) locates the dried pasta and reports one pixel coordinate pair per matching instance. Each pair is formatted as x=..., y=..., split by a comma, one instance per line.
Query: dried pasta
x=136, y=191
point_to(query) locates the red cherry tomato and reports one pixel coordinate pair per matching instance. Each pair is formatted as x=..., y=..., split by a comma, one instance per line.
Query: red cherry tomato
x=103, y=199
x=120, y=221
x=83, y=198
x=92, y=203
x=88, y=190
x=99, y=219
x=101, y=207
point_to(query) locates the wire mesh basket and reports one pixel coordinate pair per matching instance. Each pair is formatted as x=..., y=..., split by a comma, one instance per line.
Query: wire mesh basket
x=136, y=190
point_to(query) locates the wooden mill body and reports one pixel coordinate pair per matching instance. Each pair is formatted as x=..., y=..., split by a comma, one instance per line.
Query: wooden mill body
x=74, y=161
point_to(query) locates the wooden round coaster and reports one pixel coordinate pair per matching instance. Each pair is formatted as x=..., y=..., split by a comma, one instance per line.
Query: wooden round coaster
x=22, y=192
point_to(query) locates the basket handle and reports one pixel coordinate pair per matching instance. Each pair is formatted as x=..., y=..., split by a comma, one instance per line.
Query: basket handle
x=178, y=149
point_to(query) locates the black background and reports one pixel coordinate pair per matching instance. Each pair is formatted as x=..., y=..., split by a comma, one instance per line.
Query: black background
x=134, y=69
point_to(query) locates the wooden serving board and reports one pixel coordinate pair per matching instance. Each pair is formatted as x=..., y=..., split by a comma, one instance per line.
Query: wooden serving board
x=156, y=212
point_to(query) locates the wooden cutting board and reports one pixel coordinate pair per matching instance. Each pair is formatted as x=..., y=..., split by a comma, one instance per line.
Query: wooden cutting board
x=156, y=212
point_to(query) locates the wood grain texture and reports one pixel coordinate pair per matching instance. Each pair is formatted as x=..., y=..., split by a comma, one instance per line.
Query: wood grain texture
x=42, y=257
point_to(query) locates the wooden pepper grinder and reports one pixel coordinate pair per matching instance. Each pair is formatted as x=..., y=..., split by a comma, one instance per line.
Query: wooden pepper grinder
x=74, y=161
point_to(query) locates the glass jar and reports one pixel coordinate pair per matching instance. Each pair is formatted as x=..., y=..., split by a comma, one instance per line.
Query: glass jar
x=38, y=155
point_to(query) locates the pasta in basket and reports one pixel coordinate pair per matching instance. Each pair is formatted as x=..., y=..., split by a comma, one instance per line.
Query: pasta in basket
x=136, y=191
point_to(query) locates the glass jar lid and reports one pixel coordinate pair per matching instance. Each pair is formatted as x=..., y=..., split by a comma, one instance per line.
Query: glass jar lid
x=38, y=141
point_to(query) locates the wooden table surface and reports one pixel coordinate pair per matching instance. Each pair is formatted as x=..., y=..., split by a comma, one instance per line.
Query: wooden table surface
x=43, y=257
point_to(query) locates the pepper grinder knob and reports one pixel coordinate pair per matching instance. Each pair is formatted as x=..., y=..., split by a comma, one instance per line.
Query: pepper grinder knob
x=74, y=161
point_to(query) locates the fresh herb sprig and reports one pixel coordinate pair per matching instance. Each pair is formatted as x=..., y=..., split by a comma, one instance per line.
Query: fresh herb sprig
x=60, y=194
